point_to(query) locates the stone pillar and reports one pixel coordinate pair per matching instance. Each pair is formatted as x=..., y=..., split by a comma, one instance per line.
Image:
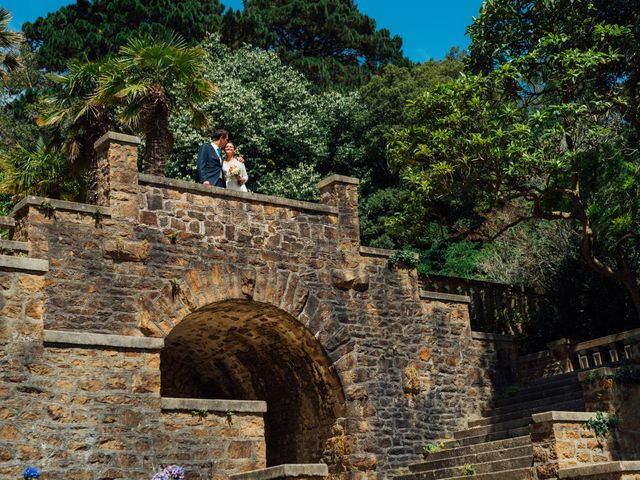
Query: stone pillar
x=342, y=192
x=562, y=350
x=117, y=176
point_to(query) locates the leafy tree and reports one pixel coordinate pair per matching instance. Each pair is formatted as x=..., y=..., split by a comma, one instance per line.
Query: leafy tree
x=40, y=171
x=330, y=41
x=9, y=61
x=508, y=29
x=149, y=79
x=90, y=30
x=77, y=121
x=517, y=144
x=385, y=98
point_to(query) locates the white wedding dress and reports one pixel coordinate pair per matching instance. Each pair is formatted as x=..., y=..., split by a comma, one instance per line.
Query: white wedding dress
x=232, y=183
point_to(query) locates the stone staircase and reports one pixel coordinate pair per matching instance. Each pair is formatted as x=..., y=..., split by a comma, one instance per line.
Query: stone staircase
x=498, y=445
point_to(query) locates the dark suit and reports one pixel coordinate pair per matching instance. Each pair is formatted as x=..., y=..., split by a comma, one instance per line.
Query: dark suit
x=210, y=166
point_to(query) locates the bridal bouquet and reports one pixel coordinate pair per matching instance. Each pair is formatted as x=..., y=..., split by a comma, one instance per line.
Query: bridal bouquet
x=235, y=172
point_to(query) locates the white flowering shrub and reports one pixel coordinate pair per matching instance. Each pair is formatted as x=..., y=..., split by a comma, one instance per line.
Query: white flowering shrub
x=275, y=119
x=299, y=182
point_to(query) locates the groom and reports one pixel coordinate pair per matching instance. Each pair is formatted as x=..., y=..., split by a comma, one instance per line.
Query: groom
x=210, y=159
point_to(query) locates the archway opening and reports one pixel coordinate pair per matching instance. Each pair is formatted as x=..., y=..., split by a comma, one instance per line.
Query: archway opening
x=245, y=350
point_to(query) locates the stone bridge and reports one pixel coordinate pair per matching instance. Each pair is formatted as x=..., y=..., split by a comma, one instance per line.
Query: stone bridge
x=223, y=331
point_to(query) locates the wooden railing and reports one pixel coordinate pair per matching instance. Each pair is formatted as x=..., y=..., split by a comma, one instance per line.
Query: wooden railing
x=495, y=307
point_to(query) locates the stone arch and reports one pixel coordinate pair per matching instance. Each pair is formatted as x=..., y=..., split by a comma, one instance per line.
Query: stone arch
x=253, y=334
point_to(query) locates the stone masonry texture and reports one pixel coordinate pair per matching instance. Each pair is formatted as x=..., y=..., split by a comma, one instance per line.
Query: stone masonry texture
x=255, y=298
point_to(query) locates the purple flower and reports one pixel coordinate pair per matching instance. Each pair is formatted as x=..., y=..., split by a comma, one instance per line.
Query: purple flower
x=174, y=472
x=160, y=476
x=31, y=472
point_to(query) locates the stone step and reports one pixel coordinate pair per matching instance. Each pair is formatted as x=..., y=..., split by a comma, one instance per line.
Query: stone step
x=451, y=451
x=549, y=403
x=487, y=437
x=478, y=468
x=492, y=455
x=573, y=406
x=516, y=474
x=11, y=247
x=522, y=421
x=539, y=394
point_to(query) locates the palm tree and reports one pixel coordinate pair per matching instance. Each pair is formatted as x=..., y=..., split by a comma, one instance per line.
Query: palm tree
x=9, y=61
x=75, y=120
x=150, y=78
x=42, y=171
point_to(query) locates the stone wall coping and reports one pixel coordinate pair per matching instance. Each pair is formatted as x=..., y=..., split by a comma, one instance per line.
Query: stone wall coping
x=117, y=138
x=223, y=192
x=447, y=297
x=609, y=339
x=236, y=406
x=337, y=179
x=376, y=252
x=102, y=340
x=62, y=205
x=13, y=245
x=285, y=470
x=7, y=222
x=631, y=466
x=493, y=337
x=560, y=416
x=24, y=263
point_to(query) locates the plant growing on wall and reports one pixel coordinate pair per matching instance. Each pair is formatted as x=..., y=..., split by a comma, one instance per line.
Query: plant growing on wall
x=430, y=448
x=602, y=423
x=467, y=470
x=176, y=286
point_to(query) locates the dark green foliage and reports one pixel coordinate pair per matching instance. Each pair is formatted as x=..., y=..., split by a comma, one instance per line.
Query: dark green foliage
x=330, y=41
x=375, y=210
x=385, y=97
x=90, y=30
x=405, y=258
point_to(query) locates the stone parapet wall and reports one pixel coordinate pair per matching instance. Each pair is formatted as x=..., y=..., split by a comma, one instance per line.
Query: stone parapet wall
x=561, y=440
x=255, y=298
x=621, y=470
x=215, y=440
x=618, y=395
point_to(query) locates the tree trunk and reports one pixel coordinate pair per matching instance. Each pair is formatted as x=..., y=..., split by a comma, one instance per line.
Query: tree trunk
x=158, y=138
x=624, y=275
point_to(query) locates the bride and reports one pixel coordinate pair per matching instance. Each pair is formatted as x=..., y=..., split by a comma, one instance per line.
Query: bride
x=235, y=172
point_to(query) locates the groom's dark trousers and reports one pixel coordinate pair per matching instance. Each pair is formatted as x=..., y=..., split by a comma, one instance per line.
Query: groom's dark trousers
x=210, y=166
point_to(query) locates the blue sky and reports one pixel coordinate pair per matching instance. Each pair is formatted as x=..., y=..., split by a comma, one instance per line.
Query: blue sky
x=429, y=28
